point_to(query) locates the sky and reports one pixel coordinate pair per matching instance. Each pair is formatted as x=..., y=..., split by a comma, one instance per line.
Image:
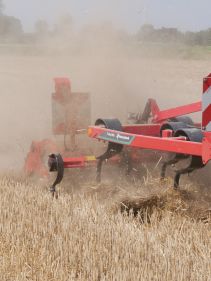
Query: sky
x=128, y=14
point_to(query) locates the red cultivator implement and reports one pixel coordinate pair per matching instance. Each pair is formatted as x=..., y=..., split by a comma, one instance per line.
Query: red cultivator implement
x=168, y=131
x=71, y=115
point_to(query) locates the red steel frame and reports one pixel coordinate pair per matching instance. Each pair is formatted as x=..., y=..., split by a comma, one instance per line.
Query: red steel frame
x=146, y=136
x=169, y=144
x=78, y=162
x=159, y=116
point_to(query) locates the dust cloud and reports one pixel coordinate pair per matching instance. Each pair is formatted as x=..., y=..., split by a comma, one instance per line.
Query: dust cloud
x=98, y=60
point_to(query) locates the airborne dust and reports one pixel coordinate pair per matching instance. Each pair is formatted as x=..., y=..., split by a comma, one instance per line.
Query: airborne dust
x=98, y=58
x=119, y=77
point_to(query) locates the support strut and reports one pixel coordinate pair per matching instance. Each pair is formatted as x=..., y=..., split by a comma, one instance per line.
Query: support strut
x=195, y=163
x=56, y=164
x=194, y=135
x=113, y=148
x=175, y=159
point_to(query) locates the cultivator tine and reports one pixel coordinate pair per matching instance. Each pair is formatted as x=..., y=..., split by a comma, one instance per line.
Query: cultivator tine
x=164, y=167
x=99, y=168
x=195, y=164
x=176, y=158
x=112, y=150
x=56, y=164
x=179, y=173
x=127, y=160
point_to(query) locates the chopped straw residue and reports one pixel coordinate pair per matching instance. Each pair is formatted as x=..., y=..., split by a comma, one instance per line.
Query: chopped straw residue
x=176, y=201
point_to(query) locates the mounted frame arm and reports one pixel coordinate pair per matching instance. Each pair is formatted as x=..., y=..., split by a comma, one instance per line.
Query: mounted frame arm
x=170, y=144
x=162, y=115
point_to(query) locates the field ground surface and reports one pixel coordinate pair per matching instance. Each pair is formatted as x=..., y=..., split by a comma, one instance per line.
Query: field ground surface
x=94, y=234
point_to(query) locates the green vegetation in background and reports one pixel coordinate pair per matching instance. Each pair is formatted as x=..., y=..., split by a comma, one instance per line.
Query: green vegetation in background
x=147, y=42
